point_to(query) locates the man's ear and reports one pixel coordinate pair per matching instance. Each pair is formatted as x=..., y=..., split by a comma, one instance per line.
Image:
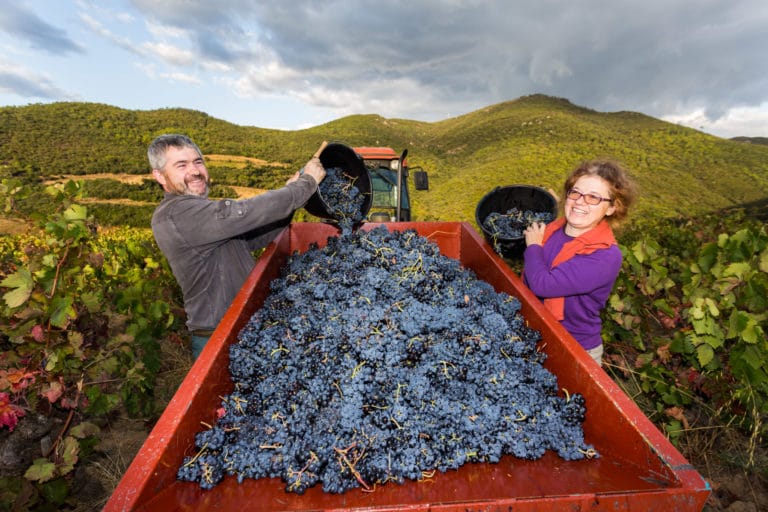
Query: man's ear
x=159, y=176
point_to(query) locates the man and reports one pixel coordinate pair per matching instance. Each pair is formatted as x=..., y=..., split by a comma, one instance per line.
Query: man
x=209, y=243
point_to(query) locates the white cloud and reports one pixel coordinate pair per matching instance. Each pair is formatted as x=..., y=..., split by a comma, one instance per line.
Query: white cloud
x=736, y=122
x=21, y=81
x=171, y=54
x=182, y=77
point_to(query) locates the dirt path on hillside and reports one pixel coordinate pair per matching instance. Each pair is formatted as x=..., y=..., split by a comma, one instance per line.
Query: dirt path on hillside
x=133, y=179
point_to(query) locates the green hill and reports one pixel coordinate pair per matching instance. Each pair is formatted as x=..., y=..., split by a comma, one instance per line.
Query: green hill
x=532, y=140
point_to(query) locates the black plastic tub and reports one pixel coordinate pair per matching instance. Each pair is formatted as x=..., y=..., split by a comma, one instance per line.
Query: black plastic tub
x=345, y=158
x=501, y=200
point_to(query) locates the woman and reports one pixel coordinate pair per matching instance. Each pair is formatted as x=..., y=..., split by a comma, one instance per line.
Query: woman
x=572, y=262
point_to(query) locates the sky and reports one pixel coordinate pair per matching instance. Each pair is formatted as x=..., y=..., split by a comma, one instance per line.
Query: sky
x=294, y=64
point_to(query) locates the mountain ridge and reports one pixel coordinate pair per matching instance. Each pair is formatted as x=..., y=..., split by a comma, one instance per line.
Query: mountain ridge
x=533, y=139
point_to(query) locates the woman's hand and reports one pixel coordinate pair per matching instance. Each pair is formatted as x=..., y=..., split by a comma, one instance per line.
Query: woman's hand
x=534, y=234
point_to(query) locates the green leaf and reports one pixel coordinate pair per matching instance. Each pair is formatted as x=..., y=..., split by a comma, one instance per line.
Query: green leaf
x=753, y=333
x=56, y=491
x=697, y=310
x=745, y=326
x=101, y=403
x=85, y=429
x=52, y=360
x=705, y=354
x=712, y=305
x=763, y=263
x=707, y=257
x=92, y=301
x=616, y=303
x=753, y=357
x=41, y=470
x=737, y=322
x=703, y=326
x=740, y=270
x=22, y=284
x=70, y=450
x=62, y=311
x=663, y=305
x=76, y=212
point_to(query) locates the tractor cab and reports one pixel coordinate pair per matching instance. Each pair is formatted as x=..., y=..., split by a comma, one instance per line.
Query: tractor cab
x=389, y=183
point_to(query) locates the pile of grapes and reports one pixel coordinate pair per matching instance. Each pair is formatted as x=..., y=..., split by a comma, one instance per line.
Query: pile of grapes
x=510, y=225
x=377, y=359
x=342, y=197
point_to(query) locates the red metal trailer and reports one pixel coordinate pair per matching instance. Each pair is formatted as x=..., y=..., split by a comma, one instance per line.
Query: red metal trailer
x=638, y=469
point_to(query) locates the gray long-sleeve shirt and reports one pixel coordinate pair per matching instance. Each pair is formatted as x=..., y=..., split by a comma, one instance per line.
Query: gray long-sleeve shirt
x=209, y=243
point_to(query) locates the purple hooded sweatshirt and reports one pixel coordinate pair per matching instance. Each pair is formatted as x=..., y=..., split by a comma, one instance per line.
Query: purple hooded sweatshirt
x=585, y=281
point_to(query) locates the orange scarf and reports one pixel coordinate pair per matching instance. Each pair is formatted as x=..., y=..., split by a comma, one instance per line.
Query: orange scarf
x=599, y=237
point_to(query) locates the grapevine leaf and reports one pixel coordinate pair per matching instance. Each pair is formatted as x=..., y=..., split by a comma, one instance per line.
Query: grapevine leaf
x=753, y=357
x=56, y=491
x=763, y=263
x=62, y=311
x=712, y=305
x=616, y=303
x=703, y=326
x=52, y=392
x=696, y=311
x=99, y=402
x=75, y=340
x=663, y=305
x=93, y=301
x=707, y=257
x=9, y=413
x=52, y=359
x=84, y=429
x=22, y=284
x=41, y=470
x=704, y=354
x=638, y=250
x=752, y=333
x=737, y=323
x=70, y=449
x=740, y=270
x=76, y=212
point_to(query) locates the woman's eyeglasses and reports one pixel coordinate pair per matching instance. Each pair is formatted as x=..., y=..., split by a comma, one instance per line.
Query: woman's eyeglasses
x=592, y=199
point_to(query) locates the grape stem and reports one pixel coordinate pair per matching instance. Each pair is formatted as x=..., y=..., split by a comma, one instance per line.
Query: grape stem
x=356, y=455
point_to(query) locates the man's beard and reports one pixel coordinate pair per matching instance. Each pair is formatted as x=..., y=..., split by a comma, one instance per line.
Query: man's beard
x=185, y=190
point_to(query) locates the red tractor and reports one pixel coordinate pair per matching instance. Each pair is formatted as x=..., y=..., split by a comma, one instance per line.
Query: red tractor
x=389, y=180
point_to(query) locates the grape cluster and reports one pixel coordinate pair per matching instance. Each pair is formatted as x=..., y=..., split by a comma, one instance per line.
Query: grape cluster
x=377, y=359
x=510, y=225
x=342, y=197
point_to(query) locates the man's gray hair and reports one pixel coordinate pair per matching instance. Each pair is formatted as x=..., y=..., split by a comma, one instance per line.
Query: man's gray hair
x=158, y=147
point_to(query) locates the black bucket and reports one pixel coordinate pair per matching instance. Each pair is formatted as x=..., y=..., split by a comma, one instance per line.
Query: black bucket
x=525, y=198
x=341, y=156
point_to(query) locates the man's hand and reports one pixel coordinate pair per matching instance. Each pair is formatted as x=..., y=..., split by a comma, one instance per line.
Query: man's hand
x=315, y=169
x=534, y=234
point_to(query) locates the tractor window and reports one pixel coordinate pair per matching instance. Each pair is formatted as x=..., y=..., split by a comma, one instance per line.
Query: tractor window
x=383, y=188
x=384, y=182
